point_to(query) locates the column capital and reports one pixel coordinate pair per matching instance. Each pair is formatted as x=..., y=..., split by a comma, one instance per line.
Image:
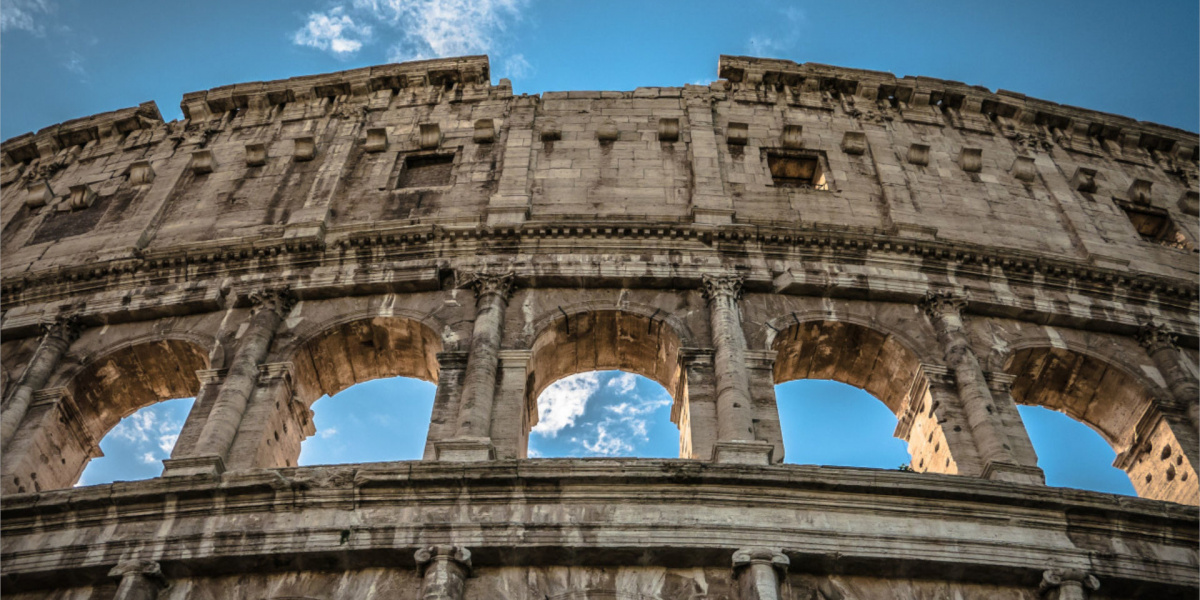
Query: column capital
x=1067, y=584
x=942, y=302
x=486, y=284
x=139, y=568
x=430, y=556
x=774, y=557
x=62, y=327
x=721, y=286
x=1155, y=336
x=278, y=300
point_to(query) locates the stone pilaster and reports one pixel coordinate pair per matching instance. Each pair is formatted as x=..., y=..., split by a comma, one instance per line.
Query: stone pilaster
x=210, y=385
x=510, y=204
x=999, y=462
x=221, y=427
x=735, y=425
x=710, y=204
x=695, y=408
x=515, y=413
x=1162, y=347
x=931, y=421
x=452, y=366
x=139, y=580
x=444, y=571
x=57, y=336
x=1067, y=584
x=758, y=572
x=473, y=437
x=760, y=365
x=1000, y=385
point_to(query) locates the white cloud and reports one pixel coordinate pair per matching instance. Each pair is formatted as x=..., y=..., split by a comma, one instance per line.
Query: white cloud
x=136, y=427
x=564, y=401
x=334, y=31
x=607, y=444
x=148, y=458
x=166, y=442
x=24, y=15
x=532, y=453
x=420, y=29
x=623, y=383
x=768, y=45
x=328, y=433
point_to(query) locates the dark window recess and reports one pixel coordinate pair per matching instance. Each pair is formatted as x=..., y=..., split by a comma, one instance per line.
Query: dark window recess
x=426, y=171
x=796, y=172
x=1155, y=226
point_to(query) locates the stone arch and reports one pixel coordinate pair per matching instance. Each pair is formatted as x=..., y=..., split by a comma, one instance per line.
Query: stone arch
x=886, y=365
x=655, y=313
x=1118, y=403
x=603, y=340
x=63, y=428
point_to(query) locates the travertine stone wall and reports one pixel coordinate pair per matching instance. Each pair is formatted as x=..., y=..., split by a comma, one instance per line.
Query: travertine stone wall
x=952, y=250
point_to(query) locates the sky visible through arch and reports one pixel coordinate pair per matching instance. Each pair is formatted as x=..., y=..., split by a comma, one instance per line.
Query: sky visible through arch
x=65, y=59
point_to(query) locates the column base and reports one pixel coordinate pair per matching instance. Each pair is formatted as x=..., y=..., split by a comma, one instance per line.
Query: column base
x=1001, y=471
x=465, y=450
x=193, y=465
x=743, y=453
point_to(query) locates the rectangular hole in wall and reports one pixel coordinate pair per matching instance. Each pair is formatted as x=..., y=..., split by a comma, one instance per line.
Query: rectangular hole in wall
x=796, y=171
x=1155, y=226
x=432, y=170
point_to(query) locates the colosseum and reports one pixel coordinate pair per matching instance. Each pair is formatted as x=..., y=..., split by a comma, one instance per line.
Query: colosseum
x=954, y=251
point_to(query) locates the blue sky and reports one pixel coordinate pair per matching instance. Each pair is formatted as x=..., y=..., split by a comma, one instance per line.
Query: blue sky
x=63, y=59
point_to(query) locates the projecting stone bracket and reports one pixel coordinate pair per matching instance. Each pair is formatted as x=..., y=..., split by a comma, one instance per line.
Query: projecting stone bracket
x=193, y=465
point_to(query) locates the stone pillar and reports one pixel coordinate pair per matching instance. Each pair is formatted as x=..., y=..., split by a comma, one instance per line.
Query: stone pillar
x=1067, y=584
x=735, y=425
x=931, y=421
x=221, y=427
x=1162, y=347
x=444, y=571
x=515, y=413
x=758, y=572
x=140, y=580
x=999, y=463
x=473, y=437
x=57, y=336
x=1000, y=385
x=760, y=366
x=695, y=408
x=452, y=366
x=210, y=385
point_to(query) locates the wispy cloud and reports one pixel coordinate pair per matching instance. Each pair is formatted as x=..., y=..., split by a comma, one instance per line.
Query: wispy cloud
x=148, y=458
x=419, y=29
x=24, y=15
x=328, y=433
x=623, y=383
x=784, y=37
x=564, y=401
x=607, y=444
x=334, y=31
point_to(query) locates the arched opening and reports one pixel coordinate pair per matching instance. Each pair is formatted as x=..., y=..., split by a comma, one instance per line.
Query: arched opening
x=136, y=447
x=832, y=423
x=1118, y=407
x=1071, y=454
x=370, y=384
x=880, y=366
x=604, y=413
x=62, y=431
x=591, y=346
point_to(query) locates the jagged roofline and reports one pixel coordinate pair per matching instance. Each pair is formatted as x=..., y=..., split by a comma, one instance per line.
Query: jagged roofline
x=734, y=71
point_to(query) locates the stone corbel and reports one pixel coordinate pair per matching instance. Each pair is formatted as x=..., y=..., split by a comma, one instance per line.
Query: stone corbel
x=444, y=571
x=140, y=580
x=256, y=154
x=668, y=130
x=141, y=173
x=38, y=194
x=304, y=148
x=485, y=131
x=430, y=136
x=202, y=162
x=758, y=572
x=1084, y=180
x=1023, y=169
x=854, y=142
x=737, y=134
x=918, y=154
x=551, y=131
x=377, y=140
x=1189, y=203
x=607, y=131
x=793, y=137
x=81, y=196
x=971, y=160
x=1139, y=191
x=1067, y=584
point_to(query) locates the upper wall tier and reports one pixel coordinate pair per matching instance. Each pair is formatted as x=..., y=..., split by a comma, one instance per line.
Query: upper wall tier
x=316, y=162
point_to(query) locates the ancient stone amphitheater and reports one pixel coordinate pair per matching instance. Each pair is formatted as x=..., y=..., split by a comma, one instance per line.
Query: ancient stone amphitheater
x=952, y=250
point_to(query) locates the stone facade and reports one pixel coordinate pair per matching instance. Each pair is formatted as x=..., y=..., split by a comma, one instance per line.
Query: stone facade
x=953, y=251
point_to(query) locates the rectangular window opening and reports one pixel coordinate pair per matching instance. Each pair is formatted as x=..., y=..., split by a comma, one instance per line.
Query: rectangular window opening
x=797, y=172
x=1155, y=226
x=431, y=170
